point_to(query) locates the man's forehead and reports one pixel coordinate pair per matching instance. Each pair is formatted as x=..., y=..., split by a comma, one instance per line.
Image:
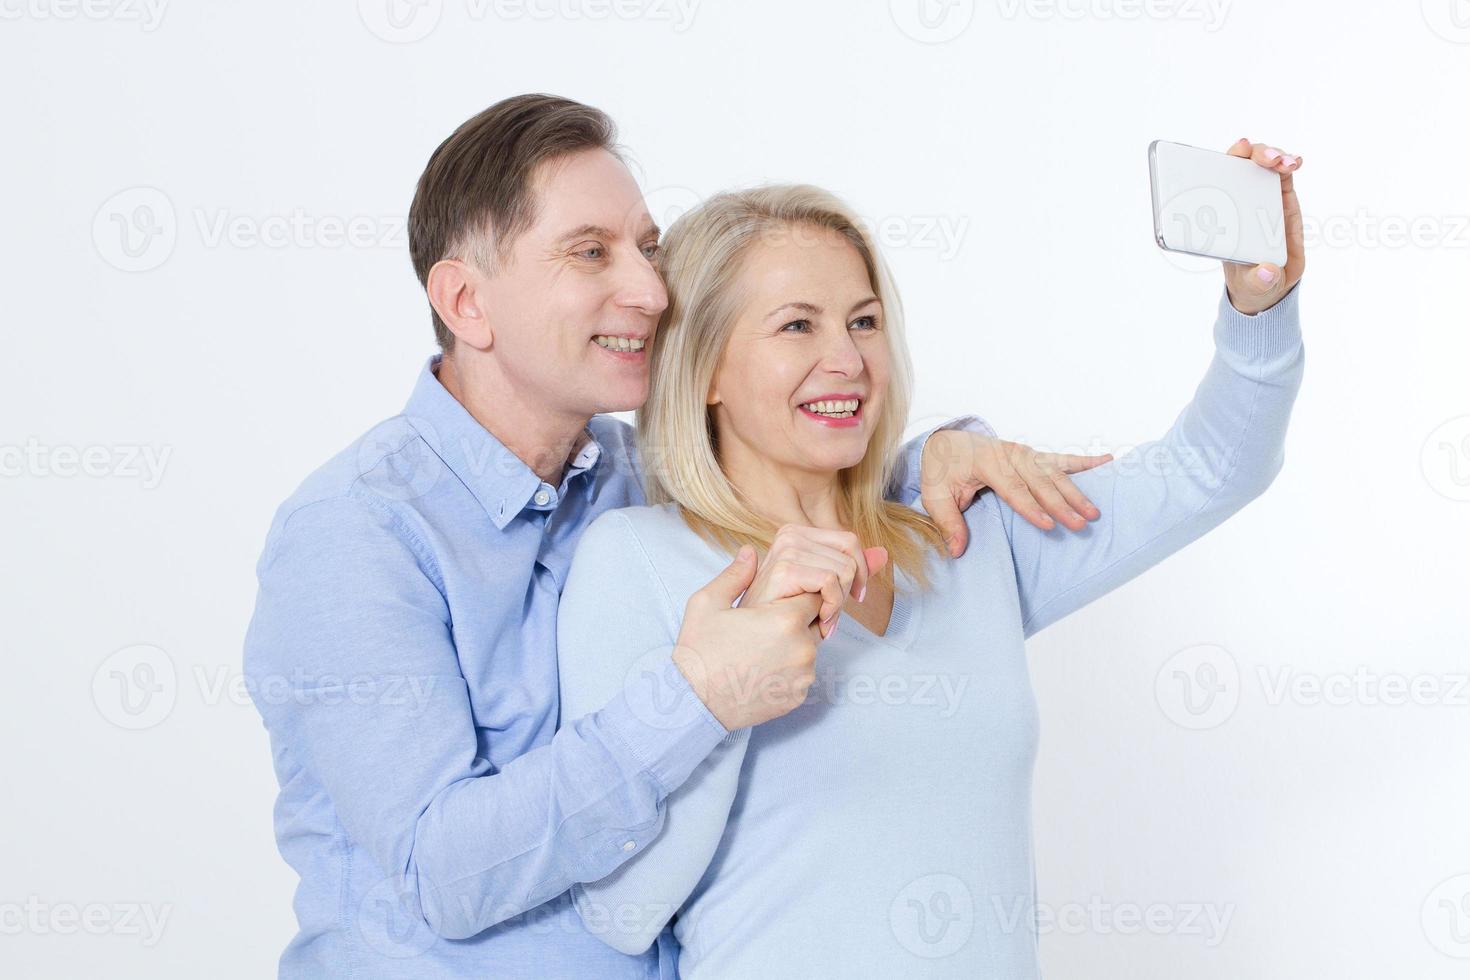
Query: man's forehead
x=589, y=194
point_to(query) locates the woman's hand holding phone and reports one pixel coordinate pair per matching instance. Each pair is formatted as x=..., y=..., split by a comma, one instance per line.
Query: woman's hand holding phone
x=1254, y=288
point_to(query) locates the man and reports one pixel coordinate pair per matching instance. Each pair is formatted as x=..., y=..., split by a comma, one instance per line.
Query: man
x=402, y=652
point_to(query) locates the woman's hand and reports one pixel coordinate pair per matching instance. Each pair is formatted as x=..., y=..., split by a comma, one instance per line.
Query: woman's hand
x=1254, y=288
x=810, y=559
x=1034, y=484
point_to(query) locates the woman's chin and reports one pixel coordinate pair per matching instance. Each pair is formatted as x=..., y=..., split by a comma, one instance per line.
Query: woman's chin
x=828, y=461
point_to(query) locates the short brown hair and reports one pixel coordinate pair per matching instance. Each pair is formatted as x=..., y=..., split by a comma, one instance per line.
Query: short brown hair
x=476, y=189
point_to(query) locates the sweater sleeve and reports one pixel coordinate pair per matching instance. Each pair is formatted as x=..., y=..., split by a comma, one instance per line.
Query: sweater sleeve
x=616, y=627
x=1222, y=451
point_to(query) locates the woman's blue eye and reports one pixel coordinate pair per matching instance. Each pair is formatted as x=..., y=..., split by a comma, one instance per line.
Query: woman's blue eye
x=867, y=322
x=797, y=323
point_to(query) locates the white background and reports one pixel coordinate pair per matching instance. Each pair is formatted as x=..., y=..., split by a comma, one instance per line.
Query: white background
x=1002, y=146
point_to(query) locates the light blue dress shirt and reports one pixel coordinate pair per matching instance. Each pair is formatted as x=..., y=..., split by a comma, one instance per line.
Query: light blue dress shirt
x=403, y=657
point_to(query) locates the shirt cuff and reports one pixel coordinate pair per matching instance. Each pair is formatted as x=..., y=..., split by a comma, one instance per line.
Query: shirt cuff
x=968, y=423
x=1263, y=336
x=665, y=726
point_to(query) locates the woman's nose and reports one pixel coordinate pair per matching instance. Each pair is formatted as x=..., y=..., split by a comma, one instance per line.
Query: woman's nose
x=841, y=356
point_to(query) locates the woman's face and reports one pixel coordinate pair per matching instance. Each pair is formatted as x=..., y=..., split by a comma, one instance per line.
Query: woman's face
x=810, y=332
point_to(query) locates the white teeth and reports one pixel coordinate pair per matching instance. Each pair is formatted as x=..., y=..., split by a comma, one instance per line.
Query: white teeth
x=618, y=343
x=839, y=408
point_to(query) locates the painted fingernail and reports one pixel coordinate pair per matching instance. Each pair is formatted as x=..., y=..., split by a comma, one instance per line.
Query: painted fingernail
x=862, y=593
x=1289, y=160
x=1265, y=275
x=1272, y=154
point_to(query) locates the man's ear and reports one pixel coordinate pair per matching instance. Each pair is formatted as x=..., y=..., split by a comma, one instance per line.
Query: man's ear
x=452, y=288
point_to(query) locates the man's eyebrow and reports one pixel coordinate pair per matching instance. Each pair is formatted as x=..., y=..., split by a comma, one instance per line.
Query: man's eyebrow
x=585, y=231
x=598, y=231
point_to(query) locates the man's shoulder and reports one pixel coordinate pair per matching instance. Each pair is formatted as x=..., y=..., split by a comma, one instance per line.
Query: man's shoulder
x=370, y=478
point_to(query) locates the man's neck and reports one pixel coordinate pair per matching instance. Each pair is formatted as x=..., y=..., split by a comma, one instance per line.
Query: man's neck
x=542, y=439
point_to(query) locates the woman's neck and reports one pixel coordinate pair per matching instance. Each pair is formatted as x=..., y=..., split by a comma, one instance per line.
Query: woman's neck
x=784, y=495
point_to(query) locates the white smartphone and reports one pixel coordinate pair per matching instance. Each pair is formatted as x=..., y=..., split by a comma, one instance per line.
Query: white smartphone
x=1216, y=205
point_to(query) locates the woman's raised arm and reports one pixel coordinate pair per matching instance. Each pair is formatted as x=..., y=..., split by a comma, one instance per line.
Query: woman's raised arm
x=1223, y=450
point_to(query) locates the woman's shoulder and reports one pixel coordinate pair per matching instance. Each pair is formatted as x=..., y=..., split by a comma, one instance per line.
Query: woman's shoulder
x=657, y=537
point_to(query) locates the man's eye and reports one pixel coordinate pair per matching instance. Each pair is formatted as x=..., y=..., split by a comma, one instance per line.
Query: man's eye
x=803, y=324
x=652, y=250
x=866, y=323
x=593, y=252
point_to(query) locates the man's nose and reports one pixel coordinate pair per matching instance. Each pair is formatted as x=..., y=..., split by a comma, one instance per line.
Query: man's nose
x=641, y=287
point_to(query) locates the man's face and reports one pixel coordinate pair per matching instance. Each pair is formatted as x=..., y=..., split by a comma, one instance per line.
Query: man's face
x=579, y=290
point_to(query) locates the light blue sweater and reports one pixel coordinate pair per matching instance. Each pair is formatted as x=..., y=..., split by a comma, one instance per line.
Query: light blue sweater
x=883, y=828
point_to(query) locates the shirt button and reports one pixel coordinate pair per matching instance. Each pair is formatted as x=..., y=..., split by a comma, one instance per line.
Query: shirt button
x=542, y=496
x=629, y=846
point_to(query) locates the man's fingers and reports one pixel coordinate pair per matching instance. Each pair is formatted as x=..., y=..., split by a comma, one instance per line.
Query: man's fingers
x=728, y=586
x=1047, y=494
x=804, y=609
x=1072, y=463
x=944, y=511
x=1076, y=498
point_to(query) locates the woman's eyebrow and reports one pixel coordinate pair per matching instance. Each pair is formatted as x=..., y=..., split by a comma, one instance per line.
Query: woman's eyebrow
x=799, y=307
x=814, y=310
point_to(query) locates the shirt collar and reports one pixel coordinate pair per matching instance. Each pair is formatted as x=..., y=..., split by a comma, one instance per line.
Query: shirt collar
x=499, y=479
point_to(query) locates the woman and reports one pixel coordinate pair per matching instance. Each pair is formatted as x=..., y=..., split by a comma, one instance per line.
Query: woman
x=883, y=829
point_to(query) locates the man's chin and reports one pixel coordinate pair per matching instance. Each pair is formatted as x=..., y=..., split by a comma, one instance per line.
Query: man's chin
x=613, y=399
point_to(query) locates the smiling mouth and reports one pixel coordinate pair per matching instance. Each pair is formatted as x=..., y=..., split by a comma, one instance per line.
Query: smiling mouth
x=620, y=345
x=840, y=408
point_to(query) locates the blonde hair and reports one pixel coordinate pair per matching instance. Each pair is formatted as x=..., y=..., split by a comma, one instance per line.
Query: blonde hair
x=702, y=261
